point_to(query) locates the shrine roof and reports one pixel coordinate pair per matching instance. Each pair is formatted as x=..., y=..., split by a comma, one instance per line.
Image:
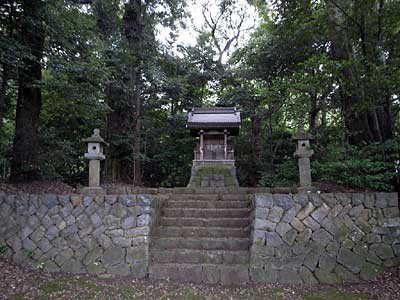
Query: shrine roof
x=215, y=117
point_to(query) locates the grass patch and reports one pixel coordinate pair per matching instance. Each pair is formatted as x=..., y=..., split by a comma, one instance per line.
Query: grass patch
x=53, y=287
x=334, y=294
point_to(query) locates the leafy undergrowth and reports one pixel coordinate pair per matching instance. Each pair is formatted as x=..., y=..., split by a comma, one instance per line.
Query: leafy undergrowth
x=18, y=283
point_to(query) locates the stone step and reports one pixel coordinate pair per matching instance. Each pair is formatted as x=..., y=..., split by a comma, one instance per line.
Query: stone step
x=205, y=222
x=206, y=213
x=189, y=256
x=201, y=273
x=201, y=243
x=170, y=231
x=209, y=197
x=207, y=204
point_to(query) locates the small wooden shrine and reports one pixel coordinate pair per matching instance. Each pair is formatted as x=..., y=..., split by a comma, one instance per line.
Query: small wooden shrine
x=214, y=159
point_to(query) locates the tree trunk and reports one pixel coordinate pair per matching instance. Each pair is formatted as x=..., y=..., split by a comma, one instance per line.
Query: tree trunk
x=364, y=125
x=134, y=27
x=117, y=167
x=257, y=147
x=24, y=166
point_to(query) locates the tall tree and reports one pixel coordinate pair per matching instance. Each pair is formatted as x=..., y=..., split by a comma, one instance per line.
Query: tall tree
x=31, y=33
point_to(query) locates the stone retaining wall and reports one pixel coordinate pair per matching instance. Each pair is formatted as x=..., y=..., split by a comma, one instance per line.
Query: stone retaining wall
x=323, y=238
x=79, y=234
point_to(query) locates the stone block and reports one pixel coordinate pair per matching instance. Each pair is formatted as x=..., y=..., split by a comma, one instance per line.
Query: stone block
x=382, y=250
x=297, y=224
x=113, y=256
x=128, y=223
x=356, y=211
x=315, y=199
x=273, y=239
x=260, y=224
x=320, y=213
x=261, y=212
x=144, y=220
x=122, y=241
x=304, y=236
x=121, y=269
x=49, y=200
x=111, y=199
x=92, y=256
x=307, y=276
x=301, y=199
x=343, y=198
x=327, y=263
x=136, y=255
x=284, y=201
x=306, y=211
x=288, y=276
x=291, y=213
x=264, y=200
x=275, y=214
x=311, y=260
x=290, y=236
x=127, y=200
x=369, y=200
x=138, y=231
x=391, y=212
x=282, y=228
x=311, y=223
x=350, y=260
x=326, y=277
x=329, y=199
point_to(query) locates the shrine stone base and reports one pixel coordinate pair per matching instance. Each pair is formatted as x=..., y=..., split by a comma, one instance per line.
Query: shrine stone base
x=207, y=174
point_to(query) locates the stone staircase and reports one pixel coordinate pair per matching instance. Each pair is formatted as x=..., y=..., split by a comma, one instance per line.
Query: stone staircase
x=202, y=238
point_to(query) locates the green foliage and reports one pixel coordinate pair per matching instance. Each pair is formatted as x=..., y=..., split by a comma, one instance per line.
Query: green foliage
x=286, y=174
x=364, y=167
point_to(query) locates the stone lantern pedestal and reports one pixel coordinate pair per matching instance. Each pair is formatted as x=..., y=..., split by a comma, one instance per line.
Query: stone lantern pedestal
x=303, y=153
x=95, y=153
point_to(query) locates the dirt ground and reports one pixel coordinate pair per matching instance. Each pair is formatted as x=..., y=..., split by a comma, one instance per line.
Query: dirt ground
x=21, y=283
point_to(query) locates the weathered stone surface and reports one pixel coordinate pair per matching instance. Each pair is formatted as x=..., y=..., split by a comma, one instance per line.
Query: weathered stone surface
x=275, y=214
x=264, y=225
x=322, y=236
x=289, y=276
x=311, y=223
x=284, y=201
x=144, y=220
x=264, y=200
x=128, y=222
x=382, y=250
x=350, y=260
x=320, y=213
x=113, y=256
x=290, y=236
x=307, y=276
x=282, y=228
x=273, y=239
x=326, y=277
x=297, y=224
x=306, y=211
x=127, y=200
x=92, y=256
x=261, y=212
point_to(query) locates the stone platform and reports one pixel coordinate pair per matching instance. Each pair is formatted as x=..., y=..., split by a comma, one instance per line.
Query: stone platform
x=209, y=235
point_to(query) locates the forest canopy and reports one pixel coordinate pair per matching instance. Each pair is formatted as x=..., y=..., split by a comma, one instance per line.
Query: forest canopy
x=69, y=66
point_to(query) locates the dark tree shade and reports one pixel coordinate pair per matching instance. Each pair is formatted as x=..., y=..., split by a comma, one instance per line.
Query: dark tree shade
x=24, y=162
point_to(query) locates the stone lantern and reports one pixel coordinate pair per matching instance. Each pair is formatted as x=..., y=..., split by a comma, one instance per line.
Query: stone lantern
x=95, y=153
x=303, y=153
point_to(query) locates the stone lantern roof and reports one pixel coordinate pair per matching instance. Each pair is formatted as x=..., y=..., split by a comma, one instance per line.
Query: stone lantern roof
x=302, y=135
x=215, y=118
x=95, y=138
